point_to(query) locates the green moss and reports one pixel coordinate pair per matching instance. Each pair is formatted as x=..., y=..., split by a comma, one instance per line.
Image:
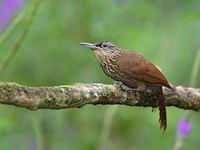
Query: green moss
x=6, y=89
x=107, y=92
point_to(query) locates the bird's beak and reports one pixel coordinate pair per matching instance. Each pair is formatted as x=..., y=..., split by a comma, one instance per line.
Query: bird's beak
x=88, y=45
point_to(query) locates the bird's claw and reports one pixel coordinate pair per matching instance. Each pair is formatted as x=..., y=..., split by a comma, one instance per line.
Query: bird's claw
x=124, y=97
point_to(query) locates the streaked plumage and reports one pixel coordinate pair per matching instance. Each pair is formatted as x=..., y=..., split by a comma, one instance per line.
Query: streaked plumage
x=130, y=68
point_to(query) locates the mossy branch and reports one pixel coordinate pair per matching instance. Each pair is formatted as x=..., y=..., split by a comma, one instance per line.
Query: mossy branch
x=78, y=95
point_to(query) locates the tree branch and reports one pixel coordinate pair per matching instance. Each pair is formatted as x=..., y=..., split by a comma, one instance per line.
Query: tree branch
x=78, y=95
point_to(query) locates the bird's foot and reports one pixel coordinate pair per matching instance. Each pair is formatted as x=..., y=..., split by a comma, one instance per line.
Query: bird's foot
x=127, y=89
x=124, y=96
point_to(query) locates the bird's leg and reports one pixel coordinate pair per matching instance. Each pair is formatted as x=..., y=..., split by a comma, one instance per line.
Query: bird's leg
x=121, y=86
x=127, y=89
x=124, y=96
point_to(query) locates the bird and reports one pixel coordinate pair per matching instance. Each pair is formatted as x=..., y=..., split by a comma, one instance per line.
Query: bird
x=131, y=71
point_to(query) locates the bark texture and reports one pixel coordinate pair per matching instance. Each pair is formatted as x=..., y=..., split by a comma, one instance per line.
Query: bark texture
x=78, y=95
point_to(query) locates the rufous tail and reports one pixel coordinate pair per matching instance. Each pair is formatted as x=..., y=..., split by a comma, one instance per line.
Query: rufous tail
x=162, y=112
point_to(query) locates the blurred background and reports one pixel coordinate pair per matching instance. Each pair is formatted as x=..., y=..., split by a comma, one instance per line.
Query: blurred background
x=40, y=41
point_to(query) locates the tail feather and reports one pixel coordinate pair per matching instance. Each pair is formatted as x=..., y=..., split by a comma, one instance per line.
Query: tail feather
x=162, y=112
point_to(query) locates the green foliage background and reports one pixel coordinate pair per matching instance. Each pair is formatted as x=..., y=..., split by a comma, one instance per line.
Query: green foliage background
x=165, y=32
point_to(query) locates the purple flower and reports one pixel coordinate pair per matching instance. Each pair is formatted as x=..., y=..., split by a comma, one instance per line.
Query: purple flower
x=7, y=10
x=184, y=127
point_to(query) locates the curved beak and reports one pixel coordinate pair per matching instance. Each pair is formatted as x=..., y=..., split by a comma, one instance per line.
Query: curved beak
x=88, y=45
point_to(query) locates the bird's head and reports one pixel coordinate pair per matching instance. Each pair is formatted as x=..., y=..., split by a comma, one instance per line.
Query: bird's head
x=104, y=51
x=104, y=46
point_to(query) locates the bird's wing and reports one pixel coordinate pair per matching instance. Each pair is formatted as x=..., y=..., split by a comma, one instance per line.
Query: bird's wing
x=137, y=67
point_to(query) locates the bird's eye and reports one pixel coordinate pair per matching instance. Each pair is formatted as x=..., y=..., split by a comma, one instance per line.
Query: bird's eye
x=104, y=45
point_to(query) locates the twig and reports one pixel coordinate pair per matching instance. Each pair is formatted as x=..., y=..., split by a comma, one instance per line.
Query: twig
x=195, y=69
x=13, y=50
x=10, y=29
x=107, y=125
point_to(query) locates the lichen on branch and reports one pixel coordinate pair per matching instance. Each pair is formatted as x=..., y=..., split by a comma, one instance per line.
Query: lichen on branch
x=78, y=95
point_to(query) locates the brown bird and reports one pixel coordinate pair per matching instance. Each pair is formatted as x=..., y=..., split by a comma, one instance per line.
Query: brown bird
x=131, y=70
